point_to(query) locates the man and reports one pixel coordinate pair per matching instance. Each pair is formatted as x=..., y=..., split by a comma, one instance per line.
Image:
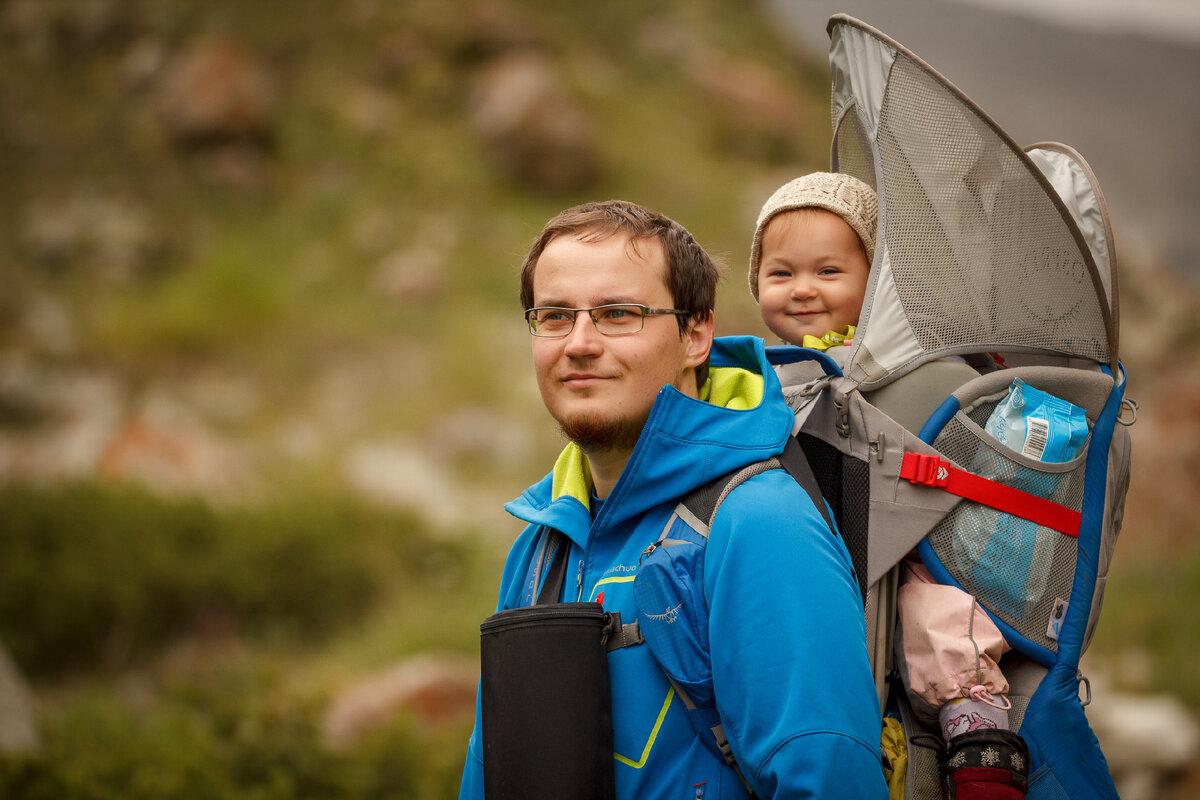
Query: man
x=619, y=302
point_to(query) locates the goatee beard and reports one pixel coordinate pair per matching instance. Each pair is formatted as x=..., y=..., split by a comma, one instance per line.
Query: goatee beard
x=594, y=433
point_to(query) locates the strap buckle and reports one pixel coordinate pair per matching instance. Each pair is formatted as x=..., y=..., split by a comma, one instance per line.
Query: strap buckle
x=925, y=469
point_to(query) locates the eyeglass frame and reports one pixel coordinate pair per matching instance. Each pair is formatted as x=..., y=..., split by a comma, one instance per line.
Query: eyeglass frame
x=646, y=311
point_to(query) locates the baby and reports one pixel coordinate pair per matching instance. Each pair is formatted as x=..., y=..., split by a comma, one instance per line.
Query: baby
x=809, y=265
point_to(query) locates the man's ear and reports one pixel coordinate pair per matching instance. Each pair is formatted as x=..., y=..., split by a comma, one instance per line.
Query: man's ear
x=698, y=339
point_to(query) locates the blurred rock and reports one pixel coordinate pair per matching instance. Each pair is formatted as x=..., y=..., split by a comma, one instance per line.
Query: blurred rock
x=403, y=474
x=751, y=110
x=143, y=63
x=432, y=689
x=58, y=423
x=413, y=476
x=166, y=449
x=217, y=92
x=18, y=731
x=55, y=421
x=482, y=436
x=1151, y=741
x=534, y=130
x=419, y=270
x=113, y=237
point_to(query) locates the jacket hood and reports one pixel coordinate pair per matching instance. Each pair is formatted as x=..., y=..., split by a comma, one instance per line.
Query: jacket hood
x=739, y=418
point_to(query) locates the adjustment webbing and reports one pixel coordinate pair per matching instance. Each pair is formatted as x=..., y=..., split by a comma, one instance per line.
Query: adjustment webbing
x=552, y=586
x=930, y=470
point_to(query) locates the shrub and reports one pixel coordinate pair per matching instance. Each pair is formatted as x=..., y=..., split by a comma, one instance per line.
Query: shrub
x=96, y=575
x=224, y=736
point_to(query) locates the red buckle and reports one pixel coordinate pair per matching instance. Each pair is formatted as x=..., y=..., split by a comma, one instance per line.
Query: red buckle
x=925, y=469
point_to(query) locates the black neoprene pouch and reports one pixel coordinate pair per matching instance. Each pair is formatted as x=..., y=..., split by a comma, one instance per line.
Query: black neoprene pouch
x=546, y=715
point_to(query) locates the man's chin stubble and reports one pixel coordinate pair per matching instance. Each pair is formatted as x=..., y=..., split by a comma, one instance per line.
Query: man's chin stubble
x=594, y=434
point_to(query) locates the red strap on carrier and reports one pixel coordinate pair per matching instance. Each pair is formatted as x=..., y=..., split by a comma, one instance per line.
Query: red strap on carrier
x=930, y=470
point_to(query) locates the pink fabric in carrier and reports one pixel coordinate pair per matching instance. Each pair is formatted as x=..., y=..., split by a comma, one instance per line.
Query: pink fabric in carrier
x=949, y=644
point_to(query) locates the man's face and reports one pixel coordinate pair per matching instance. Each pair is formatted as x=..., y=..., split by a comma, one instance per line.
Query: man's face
x=600, y=388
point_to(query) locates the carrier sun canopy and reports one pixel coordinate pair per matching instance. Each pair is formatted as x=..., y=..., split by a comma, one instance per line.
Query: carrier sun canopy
x=982, y=247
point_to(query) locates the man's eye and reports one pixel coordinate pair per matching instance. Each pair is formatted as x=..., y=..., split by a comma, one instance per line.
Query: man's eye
x=621, y=316
x=555, y=316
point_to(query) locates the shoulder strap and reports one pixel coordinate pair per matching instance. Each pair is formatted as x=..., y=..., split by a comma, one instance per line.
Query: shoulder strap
x=704, y=502
x=795, y=462
x=552, y=586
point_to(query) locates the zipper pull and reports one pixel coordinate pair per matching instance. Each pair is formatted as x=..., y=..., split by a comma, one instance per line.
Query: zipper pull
x=579, y=583
x=653, y=546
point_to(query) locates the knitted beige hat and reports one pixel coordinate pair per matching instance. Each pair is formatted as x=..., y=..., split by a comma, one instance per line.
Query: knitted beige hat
x=844, y=195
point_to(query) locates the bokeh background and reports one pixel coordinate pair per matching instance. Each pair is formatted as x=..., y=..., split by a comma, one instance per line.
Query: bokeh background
x=264, y=384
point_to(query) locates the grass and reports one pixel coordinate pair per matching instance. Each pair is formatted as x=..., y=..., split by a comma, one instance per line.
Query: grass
x=238, y=733
x=1146, y=639
x=182, y=650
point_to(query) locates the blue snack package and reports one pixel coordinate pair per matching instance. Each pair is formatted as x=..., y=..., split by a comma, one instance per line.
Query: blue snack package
x=1037, y=424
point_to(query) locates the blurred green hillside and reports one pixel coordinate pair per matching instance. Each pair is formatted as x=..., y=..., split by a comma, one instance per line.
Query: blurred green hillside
x=263, y=383
x=334, y=240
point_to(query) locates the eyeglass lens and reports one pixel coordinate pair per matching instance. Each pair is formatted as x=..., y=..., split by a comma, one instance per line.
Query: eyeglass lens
x=611, y=320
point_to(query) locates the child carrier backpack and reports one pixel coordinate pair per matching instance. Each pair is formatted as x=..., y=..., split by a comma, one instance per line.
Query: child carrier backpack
x=992, y=263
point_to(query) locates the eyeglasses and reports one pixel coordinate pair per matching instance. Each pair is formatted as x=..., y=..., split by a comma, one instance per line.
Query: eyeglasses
x=615, y=319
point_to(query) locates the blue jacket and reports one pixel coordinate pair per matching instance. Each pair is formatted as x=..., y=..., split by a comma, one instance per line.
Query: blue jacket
x=786, y=632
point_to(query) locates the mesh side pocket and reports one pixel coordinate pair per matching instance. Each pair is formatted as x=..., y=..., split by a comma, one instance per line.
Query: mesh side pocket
x=1019, y=571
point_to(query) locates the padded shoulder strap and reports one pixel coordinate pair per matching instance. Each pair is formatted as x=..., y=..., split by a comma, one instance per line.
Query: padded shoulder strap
x=703, y=503
x=698, y=509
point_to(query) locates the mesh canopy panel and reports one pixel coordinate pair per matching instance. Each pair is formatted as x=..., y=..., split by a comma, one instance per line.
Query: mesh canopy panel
x=852, y=150
x=980, y=251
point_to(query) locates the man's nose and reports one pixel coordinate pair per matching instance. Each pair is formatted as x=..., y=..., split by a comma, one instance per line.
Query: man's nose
x=583, y=339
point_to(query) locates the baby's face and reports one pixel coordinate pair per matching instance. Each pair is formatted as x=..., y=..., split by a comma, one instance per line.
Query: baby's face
x=813, y=274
